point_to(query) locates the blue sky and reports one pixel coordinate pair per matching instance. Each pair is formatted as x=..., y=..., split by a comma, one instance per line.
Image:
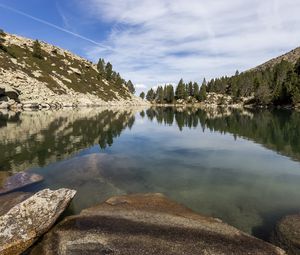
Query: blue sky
x=154, y=42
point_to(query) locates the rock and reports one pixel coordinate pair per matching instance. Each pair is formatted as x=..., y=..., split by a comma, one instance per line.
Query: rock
x=45, y=106
x=4, y=98
x=22, y=225
x=11, y=102
x=11, y=92
x=19, y=180
x=8, y=201
x=287, y=234
x=14, y=61
x=2, y=90
x=147, y=224
x=30, y=105
x=75, y=70
x=3, y=105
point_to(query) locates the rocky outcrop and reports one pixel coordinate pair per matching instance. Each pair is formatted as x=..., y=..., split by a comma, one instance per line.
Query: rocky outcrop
x=58, y=79
x=19, y=180
x=216, y=100
x=287, y=234
x=22, y=225
x=147, y=224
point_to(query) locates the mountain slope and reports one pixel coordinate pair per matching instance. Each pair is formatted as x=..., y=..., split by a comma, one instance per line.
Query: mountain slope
x=274, y=83
x=56, y=76
x=291, y=57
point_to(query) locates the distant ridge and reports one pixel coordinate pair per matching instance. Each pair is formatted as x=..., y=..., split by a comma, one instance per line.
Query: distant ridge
x=292, y=57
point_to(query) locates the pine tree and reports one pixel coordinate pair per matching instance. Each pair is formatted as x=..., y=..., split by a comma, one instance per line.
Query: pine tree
x=196, y=90
x=181, y=90
x=297, y=67
x=142, y=95
x=202, y=93
x=150, y=95
x=165, y=92
x=130, y=87
x=169, y=96
x=292, y=84
x=2, y=40
x=190, y=89
x=119, y=80
x=37, y=50
x=108, y=71
x=160, y=94
x=263, y=94
x=101, y=66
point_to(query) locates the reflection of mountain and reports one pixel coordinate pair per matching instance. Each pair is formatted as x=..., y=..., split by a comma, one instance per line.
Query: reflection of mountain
x=37, y=138
x=275, y=129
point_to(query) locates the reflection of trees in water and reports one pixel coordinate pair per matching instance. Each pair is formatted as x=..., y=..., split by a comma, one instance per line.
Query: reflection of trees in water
x=37, y=139
x=116, y=125
x=276, y=129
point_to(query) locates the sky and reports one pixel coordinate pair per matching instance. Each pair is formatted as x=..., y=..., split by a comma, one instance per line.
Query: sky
x=153, y=42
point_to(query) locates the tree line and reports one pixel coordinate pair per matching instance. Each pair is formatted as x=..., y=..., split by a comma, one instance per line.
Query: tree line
x=106, y=71
x=190, y=92
x=279, y=85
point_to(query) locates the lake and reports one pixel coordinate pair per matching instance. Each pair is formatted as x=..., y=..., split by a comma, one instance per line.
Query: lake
x=241, y=166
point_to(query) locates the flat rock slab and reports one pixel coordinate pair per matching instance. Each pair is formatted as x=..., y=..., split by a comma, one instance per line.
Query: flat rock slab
x=287, y=234
x=147, y=224
x=19, y=180
x=23, y=224
x=8, y=201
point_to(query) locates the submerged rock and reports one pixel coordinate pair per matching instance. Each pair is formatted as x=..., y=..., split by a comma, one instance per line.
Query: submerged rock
x=147, y=224
x=8, y=201
x=287, y=234
x=22, y=225
x=19, y=180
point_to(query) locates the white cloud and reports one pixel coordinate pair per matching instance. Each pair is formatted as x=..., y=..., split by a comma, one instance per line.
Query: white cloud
x=140, y=86
x=160, y=41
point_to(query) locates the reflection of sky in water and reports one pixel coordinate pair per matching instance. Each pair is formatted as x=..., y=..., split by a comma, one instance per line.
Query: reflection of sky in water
x=238, y=181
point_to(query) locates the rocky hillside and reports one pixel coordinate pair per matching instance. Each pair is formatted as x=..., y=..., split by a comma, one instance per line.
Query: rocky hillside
x=53, y=78
x=291, y=57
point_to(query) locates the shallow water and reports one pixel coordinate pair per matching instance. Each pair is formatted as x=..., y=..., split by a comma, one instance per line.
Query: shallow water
x=240, y=166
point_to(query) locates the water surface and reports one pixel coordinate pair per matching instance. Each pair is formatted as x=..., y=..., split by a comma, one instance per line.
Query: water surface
x=240, y=166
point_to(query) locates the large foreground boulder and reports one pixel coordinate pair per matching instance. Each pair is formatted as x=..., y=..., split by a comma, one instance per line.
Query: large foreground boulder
x=147, y=224
x=287, y=234
x=19, y=180
x=22, y=225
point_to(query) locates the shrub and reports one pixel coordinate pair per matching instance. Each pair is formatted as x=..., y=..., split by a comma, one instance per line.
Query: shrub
x=37, y=50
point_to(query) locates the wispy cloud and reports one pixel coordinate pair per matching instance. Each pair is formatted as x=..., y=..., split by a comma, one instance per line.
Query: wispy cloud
x=159, y=41
x=64, y=18
x=49, y=24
